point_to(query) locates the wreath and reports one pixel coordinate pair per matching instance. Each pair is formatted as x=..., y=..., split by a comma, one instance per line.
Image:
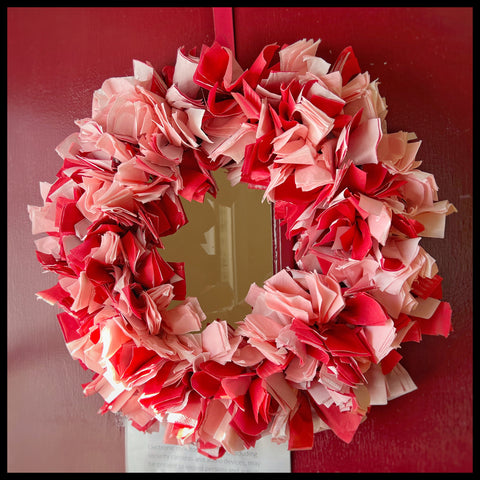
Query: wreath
x=321, y=344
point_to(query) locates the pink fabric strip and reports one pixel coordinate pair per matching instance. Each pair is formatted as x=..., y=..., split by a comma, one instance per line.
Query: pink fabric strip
x=224, y=29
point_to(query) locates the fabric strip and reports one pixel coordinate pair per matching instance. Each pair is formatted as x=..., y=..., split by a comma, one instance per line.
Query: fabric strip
x=224, y=29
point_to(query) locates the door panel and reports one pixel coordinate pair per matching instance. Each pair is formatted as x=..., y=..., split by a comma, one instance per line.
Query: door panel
x=58, y=57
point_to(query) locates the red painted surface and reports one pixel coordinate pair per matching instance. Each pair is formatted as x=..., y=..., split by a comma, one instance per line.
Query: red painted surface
x=58, y=57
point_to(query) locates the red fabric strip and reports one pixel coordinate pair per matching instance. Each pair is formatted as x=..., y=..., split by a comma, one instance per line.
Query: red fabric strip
x=282, y=246
x=223, y=24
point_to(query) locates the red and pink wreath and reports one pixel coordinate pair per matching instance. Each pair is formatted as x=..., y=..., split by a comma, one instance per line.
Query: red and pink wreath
x=322, y=343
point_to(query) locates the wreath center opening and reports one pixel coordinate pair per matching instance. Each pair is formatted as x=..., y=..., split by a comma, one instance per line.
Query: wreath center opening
x=226, y=246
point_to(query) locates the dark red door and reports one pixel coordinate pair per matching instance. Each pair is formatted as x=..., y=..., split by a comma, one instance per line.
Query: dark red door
x=58, y=57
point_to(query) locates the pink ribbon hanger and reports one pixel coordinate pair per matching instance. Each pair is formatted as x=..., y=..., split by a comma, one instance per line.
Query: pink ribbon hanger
x=223, y=25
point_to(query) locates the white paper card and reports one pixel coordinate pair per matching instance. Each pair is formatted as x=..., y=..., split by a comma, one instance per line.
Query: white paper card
x=147, y=453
